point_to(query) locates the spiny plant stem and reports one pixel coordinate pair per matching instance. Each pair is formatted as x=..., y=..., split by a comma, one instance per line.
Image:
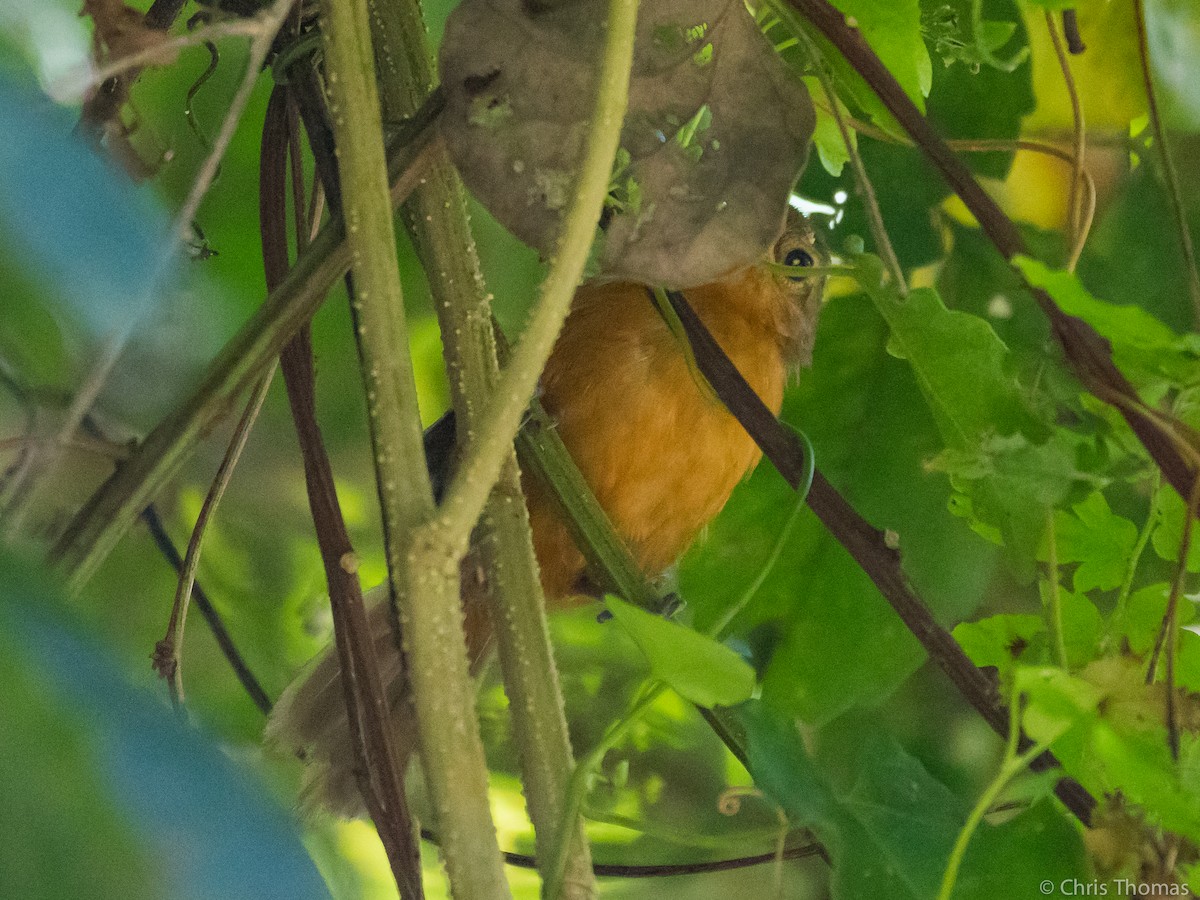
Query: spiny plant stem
x=468, y=491
x=424, y=586
x=436, y=216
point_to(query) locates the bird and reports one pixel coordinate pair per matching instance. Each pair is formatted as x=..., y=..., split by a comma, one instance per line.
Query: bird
x=660, y=453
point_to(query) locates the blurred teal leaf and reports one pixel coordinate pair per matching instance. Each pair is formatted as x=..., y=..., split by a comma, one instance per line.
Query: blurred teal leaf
x=82, y=230
x=695, y=666
x=119, y=780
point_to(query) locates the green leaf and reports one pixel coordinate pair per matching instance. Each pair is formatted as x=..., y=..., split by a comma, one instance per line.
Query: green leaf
x=1167, y=537
x=890, y=830
x=695, y=666
x=98, y=774
x=893, y=29
x=1149, y=352
x=1057, y=702
x=977, y=100
x=1106, y=728
x=887, y=837
x=1011, y=484
x=1143, y=616
x=817, y=622
x=1001, y=641
x=959, y=362
x=1082, y=624
x=1100, y=541
x=827, y=137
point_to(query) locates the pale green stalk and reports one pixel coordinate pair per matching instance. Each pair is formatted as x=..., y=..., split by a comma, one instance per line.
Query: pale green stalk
x=1054, y=624
x=1011, y=766
x=424, y=588
x=468, y=491
x=436, y=216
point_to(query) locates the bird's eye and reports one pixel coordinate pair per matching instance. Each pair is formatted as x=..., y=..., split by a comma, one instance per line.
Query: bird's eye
x=798, y=257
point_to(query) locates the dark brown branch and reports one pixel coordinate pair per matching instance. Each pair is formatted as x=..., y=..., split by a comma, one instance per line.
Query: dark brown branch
x=1088, y=354
x=864, y=542
x=1070, y=24
x=379, y=766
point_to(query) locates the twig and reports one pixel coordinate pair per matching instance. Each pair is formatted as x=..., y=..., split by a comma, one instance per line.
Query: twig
x=271, y=20
x=76, y=84
x=379, y=762
x=1070, y=24
x=1075, y=213
x=1183, y=232
x=236, y=661
x=168, y=652
x=666, y=870
x=1168, y=633
x=874, y=217
x=107, y=515
x=865, y=543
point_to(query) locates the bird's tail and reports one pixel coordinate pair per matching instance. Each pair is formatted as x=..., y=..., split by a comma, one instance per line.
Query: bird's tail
x=309, y=719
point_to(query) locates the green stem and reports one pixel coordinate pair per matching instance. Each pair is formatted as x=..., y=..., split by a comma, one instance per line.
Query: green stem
x=436, y=216
x=1011, y=765
x=468, y=492
x=424, y=588
x=1054, y=602
x=1120, y=608
x=578, y=786
x=542, y=452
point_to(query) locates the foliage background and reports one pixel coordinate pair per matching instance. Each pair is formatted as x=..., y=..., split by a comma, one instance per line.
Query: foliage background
x=828, y=648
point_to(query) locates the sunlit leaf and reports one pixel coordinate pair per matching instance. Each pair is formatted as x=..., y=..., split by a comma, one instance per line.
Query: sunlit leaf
x=695, y=666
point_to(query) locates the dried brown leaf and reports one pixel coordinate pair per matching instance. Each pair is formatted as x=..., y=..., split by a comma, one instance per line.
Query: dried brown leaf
x=717, y=131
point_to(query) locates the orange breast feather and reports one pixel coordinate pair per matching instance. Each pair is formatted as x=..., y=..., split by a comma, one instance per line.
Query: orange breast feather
x=661, y=454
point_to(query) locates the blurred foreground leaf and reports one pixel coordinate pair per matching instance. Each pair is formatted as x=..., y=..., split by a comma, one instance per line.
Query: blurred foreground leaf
x=106, y=793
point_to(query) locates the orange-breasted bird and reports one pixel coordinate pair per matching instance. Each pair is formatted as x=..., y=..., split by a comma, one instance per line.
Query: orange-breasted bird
x=660, y=453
